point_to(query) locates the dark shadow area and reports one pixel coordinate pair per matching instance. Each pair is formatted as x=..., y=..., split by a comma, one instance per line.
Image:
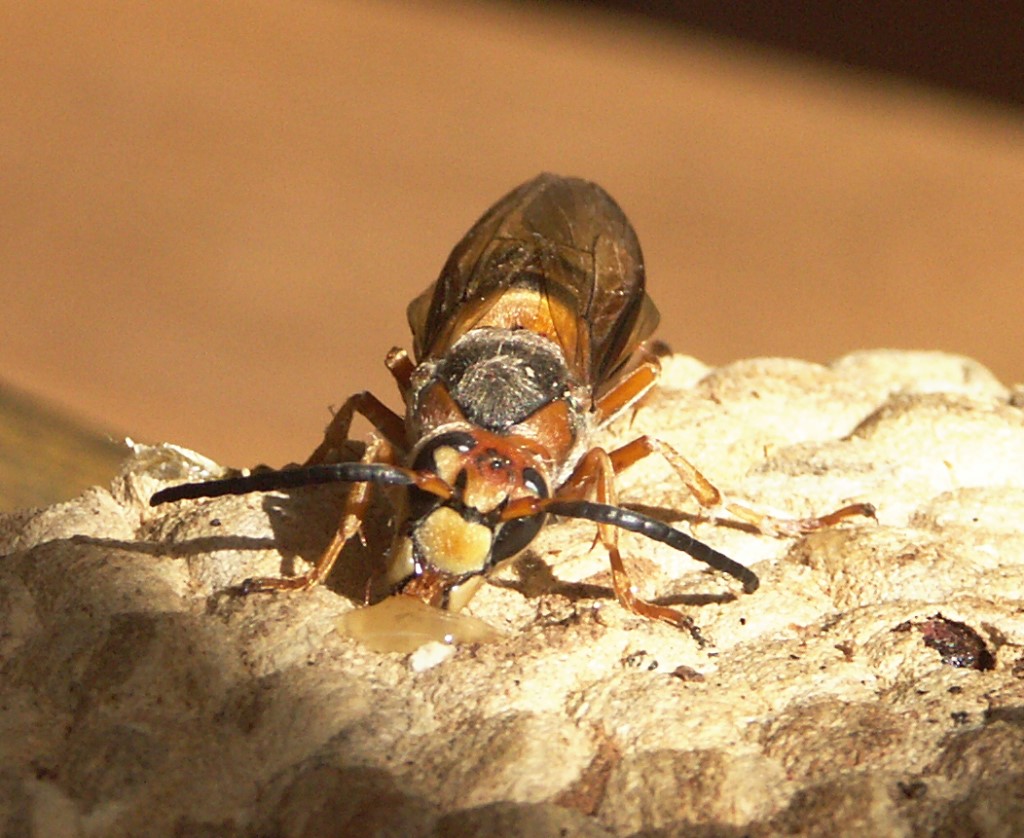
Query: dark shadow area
x=973, y=49
x=128, y=686
x=536, y=578
x=302, y=521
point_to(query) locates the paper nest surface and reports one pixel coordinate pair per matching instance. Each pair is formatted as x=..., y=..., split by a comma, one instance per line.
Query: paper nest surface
x=873, y=685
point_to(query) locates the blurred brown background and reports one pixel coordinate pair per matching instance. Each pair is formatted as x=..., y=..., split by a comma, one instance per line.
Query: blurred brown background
x=213, y=215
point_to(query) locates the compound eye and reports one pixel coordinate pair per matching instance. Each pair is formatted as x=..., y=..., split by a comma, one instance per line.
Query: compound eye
x=513, y=536
x=460, y=441
x=534, y=482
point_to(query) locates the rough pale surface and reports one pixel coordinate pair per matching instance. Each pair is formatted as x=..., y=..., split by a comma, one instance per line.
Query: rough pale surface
x=138, y=700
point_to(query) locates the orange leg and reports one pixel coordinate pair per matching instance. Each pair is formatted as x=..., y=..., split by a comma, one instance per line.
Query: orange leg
x=712, y=499
x=382, y=417
x=401, y=367
x=594, y=476
x=631, y=389
x=628, y=391
x=358, y=501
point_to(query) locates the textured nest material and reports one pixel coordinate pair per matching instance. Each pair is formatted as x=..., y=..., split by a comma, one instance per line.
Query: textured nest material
x=873, y=685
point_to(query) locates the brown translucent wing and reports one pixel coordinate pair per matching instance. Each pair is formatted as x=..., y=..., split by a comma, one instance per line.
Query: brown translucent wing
x=556, y=256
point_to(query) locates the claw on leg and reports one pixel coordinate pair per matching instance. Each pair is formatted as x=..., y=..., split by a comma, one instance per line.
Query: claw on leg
x=625, y=593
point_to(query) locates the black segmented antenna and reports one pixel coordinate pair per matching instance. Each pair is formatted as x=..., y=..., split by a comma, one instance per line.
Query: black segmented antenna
x=626, y=519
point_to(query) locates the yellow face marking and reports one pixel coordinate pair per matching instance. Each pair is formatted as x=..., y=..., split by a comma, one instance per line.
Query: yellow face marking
x=451, y=543
x=483, y=494
x=449, y=463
